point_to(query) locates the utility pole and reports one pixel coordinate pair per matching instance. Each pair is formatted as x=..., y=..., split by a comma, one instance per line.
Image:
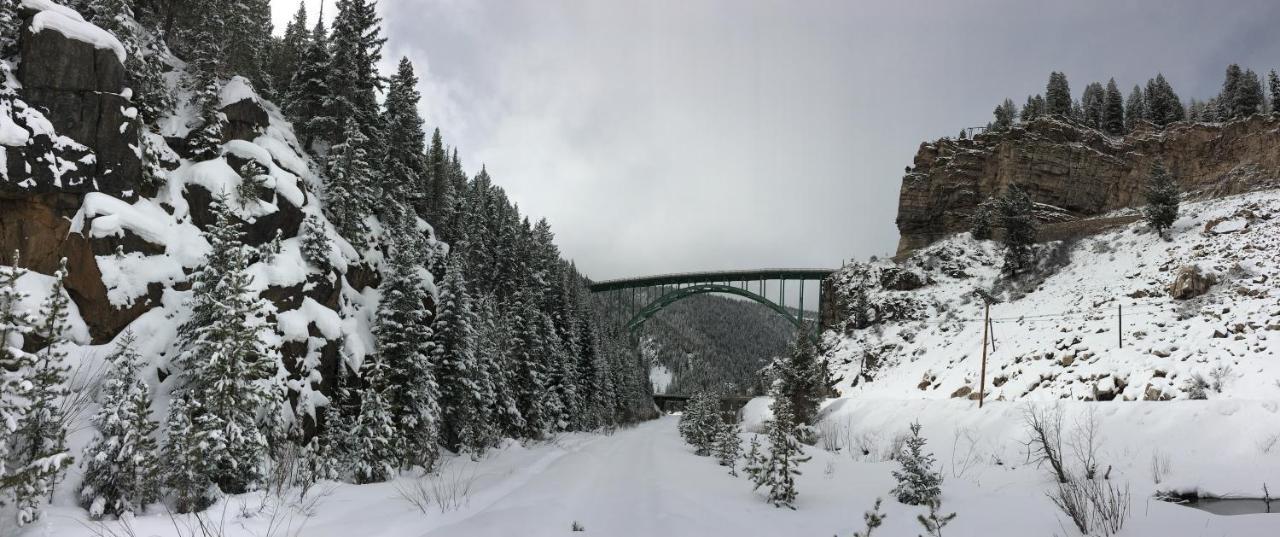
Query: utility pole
x=982, y=383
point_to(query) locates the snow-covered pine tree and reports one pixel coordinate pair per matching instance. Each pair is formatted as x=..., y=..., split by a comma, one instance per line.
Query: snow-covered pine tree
x=15, y=323
x=406, y=174
x=442, y=197
x=403, y=334
x=205, y=141
x=1163, y=105
x=1005, y=113
x=980, y=221
x=728, y=447
x=701, y=423
x=353, y=80
x=316, y=245
x=1230, y=89
x=785, y=455
x=248, y=34
x=530, y=382
x=1112, y=121
x=42, y=429
x=1057, y=95
x=1273, y=85
x=377, y=446
x=1091, y=105
x=226, y=366
x=1135, y=109
x=493, y=347
x=754, y=463
x=1014, y=210
x=465, y=424
x=1249, y=96
x=919, y=483
x=1162, y=199
x=184, y=468
x=10, y=27
x=309, y=91
x=801, y=377
x=350, y=191
x=286, y=55
x=121, y=463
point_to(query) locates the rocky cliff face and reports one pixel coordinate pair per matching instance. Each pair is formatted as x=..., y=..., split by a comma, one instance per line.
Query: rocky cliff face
x=72, y=186
x=1077, y=173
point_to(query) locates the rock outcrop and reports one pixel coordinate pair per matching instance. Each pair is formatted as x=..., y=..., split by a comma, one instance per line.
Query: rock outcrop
x=79, y=89
x=1076, y=173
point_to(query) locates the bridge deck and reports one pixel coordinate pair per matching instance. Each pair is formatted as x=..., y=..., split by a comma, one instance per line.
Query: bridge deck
x=711, y=277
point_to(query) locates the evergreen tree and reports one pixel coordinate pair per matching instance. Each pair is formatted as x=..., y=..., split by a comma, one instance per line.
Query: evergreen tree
x=286, y=54
x=493, y=347
x=801, y=378
x=226, y=365
x=1015, y=211
x=918, y=482
x=410, y=394
x=1273, y=84
x=248, y=32
x=980, y=222
x=1033, y=109
x=1112, y=120
x=406, y=173
x=1230, y=90
x=10, y=27
x=42, y=429
x=185, y=469
x=1057, y=95
x=377, y=446
x=700, y=424
x=1091, y=103
x=1249, y=96
x=754, y=463
x=1163, y=105
x=1135, y=109
x=442, y=196
x=121, y=463
x=309, y=91
x=530, y=382
x=728, y=447
x=316, y=245
x=1005, y=114
x=350, y=192
x=15, y=323
x=785, y=455
x=1162, y=199
x=353, y=76
x=464, y=382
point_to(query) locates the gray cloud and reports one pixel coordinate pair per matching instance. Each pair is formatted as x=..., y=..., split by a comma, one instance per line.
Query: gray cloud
x=670, y=135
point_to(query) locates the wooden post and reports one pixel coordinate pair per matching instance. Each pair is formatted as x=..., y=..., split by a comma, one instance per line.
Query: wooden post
x=1120, y=324
x=982, y=383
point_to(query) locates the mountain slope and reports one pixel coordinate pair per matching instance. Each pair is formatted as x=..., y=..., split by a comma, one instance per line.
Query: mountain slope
x=1058, y=334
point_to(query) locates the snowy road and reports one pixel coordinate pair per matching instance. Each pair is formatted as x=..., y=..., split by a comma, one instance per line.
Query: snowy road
x=645, y=482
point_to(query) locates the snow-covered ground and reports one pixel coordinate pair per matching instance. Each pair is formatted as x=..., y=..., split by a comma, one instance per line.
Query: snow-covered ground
x=644, y=481
x=1061, y=337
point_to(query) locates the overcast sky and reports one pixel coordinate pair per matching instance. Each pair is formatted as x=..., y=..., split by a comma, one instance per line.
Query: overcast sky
x=673, y=135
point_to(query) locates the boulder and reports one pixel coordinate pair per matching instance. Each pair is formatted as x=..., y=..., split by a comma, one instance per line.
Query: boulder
x=901, y=279
x=1190, y=282
x=246, y=119
x=78, y=88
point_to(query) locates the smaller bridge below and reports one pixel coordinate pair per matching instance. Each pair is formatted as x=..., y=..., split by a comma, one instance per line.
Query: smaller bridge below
x=729, y=406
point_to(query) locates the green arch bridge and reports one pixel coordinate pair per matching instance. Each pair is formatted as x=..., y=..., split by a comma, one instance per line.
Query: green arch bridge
x=638, y=299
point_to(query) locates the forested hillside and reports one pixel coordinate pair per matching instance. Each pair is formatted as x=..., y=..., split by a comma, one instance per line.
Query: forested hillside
x=709, y=342
x=240, y=258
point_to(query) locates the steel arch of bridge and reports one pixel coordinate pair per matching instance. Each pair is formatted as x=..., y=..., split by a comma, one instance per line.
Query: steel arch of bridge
x=671, y=288
x=681, y=293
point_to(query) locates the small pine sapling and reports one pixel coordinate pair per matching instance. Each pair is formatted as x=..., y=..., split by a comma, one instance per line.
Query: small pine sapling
x=918, y=482
x=728, y=447
x=785, y=456
x=754, y=463
x=873, y=519
x=934, y=522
